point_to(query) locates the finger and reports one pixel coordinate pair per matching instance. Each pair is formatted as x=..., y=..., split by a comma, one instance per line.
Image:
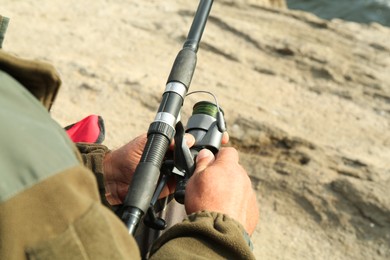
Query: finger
x=227, y=155
x=190, y=139
x=204, y=158
x=168, y=189
x=225, y=138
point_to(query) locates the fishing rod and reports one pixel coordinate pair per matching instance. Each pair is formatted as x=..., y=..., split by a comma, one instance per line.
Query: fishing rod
x=207, y=125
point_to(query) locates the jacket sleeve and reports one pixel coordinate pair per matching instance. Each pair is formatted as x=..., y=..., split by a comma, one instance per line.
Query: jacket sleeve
x=204, y=235
x=92, y=156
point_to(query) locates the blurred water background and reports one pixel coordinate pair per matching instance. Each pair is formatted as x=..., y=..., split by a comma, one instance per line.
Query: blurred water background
x=361, y=11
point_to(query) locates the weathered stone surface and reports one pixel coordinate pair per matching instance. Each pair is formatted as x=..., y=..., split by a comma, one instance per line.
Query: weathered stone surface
x=269, y=3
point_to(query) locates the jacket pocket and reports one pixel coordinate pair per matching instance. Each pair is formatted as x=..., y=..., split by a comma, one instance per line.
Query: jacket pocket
x=89, y=237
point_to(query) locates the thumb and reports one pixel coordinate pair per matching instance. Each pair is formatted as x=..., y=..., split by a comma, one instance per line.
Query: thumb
x=204, y=158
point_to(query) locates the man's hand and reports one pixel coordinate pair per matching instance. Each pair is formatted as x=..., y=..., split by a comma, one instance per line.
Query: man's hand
x=221, y=184
x=120, y=165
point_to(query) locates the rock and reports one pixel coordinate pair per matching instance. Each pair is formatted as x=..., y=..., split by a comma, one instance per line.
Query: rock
x=269, y=3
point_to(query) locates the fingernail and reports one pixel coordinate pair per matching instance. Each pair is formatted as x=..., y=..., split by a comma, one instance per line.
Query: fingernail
x=189, y=139
x=204, y=153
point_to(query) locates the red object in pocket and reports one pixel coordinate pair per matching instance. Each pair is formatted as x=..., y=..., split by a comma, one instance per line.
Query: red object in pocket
x=88, y=130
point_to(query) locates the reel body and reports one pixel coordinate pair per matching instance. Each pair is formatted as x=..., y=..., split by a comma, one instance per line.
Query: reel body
x=207, y=125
